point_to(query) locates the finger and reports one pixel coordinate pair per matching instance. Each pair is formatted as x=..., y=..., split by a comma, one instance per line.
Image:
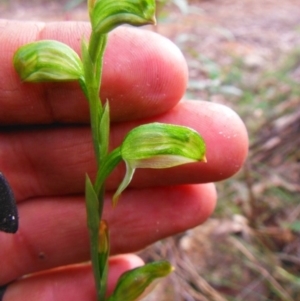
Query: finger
x=54, y=161
x=144, y=75
x=68, y=283
x=53, y=232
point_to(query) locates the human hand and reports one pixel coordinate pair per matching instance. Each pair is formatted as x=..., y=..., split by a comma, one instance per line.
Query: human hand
x=46, y=149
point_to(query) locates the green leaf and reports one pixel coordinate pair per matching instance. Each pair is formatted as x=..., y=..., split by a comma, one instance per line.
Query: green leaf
x=105, y=15
x=159, y=145
x=132, y=284
x=47, y=60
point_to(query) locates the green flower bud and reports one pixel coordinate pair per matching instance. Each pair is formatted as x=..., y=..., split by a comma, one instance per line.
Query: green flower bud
x=105, y=15
x=47, y=60
x=158, y=145
x=132, y=284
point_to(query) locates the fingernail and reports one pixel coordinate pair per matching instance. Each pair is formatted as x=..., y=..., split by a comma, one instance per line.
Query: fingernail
x=2, y=291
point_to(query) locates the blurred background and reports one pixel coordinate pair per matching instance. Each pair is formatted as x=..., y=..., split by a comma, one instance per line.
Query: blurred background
x=244, y=54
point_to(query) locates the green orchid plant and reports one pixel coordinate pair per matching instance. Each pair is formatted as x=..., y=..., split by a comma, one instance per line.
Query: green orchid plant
x=154, y=145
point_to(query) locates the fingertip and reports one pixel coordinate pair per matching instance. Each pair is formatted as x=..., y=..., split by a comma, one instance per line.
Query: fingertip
x=225, y=136
x=156, y=74
x=228, y=143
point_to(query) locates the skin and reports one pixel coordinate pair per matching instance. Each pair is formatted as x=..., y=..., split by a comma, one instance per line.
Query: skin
x=46, y=149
